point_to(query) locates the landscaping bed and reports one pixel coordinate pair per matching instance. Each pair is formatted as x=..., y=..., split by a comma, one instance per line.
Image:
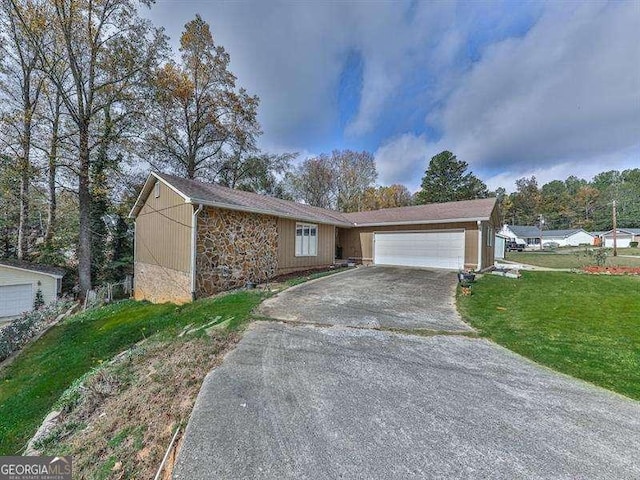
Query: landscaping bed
x=612, y=270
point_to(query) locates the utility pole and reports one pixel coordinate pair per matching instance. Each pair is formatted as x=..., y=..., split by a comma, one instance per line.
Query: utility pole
x=615, y=229
x=541, y=225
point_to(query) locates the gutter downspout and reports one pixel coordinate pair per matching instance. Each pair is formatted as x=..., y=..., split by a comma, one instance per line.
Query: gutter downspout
x=479, y=245
x=194, y=239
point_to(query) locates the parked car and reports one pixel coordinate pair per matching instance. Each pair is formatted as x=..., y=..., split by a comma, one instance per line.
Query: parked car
x=513, y=246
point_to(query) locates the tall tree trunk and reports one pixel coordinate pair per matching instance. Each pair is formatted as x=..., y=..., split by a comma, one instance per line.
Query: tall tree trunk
x=51, y=174
x=51, y=180
x=25, y=179
x=84, y=199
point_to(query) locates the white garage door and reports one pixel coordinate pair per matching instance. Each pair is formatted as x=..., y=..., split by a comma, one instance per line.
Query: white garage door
x=15, y=299
x=621, y=242
x=436, y=249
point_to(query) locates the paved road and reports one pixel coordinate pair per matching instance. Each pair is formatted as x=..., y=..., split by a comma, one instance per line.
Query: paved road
x=303, y=401
x=405, y=298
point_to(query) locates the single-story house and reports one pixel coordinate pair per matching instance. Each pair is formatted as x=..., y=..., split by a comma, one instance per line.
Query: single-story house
x=530, y=236
x=194, y=239
x=624, y=236
x=565, y=238
x=500, y=245
x=20, y=282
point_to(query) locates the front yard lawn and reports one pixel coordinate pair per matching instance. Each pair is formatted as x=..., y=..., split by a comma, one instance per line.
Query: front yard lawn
x=587, y=326
x=566, y=260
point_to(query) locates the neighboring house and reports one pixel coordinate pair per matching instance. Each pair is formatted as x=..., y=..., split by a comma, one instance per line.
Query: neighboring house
x=195, y=239
x=19, y=283
x=501, y=245
x=565, y=238
x=624, y=237
x=530, y=236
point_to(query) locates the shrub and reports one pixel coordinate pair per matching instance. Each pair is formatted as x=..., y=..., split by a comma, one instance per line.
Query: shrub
x=633, y=244
x=19, y=331
x=38, y=303
x=600, y=256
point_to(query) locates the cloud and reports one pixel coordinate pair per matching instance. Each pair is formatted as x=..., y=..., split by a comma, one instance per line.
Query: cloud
x=566, y=93
x=515, y=89
x=403, y=160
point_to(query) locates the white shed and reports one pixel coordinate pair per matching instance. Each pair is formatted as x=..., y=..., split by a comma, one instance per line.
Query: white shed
x=19, y=283
x=501, y=243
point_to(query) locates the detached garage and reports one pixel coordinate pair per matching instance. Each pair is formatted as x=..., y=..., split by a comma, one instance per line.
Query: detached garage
x=19, y=283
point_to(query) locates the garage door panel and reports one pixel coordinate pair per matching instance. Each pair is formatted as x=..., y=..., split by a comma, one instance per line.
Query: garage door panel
x=436, y=249
x=15, y=299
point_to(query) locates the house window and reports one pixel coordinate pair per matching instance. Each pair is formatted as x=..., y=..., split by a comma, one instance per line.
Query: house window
x=306, y=240
x=490, y=234
x=156, y=189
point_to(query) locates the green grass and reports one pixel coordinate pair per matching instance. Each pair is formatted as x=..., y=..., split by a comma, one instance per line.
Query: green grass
x=33, y=383
x=587, y=326
x=566, y=260
x=629, y=251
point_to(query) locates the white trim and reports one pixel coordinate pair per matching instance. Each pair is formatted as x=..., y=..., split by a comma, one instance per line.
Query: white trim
x=194, y=239
x=146, y=190
x=480, y=247
x=420, y=222
x=54, y=275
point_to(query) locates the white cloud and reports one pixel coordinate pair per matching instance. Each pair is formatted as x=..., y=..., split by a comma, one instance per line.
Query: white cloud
x=560, y=99
x=568, y=89
x=403, y=160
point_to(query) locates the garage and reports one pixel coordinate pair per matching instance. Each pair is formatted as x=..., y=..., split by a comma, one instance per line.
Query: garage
x=435, y=249
x=15, y=299
x=20, y=281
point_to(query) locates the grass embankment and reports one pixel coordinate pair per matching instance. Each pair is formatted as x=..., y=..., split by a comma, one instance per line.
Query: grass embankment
x=567, y=260
x=33, y=382
x=584, y=325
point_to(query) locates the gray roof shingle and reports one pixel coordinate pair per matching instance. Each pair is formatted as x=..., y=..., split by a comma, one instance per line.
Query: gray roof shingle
x=524, y=231
x=34, y=267
x=432, y=212
x=218, y=196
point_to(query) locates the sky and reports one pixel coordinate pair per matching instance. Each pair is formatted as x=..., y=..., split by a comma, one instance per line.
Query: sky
x=514, y=88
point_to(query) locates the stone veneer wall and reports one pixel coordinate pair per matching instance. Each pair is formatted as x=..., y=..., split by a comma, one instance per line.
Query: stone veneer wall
x=160, y=284
x=233, y=248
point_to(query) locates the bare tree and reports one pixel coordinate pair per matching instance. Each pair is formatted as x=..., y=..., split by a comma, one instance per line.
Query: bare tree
x=338, y=181
x=313, y=182
x=354, y=173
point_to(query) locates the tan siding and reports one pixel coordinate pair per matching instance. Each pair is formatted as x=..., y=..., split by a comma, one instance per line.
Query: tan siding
x=48, y=285
x=287, y=260
x=163, y=231
x=492, y=227
x=357, y=243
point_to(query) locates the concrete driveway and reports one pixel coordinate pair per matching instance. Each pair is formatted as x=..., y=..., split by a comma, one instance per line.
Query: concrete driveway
x=393, y=297
x=302, y=402
x=322, y=400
